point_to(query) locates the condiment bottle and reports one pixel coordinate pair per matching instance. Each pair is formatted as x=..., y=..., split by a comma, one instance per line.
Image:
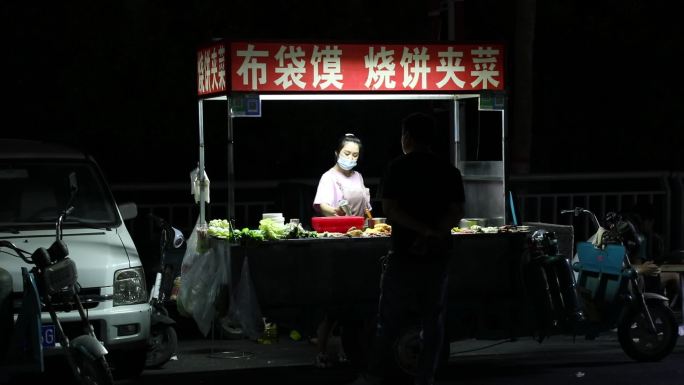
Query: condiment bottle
x=369, y=218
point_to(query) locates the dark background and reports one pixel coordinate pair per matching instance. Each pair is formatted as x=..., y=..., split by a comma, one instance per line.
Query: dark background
x=118, y=80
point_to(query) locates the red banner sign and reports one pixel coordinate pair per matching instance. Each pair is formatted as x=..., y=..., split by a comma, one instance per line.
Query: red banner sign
x=292, y=67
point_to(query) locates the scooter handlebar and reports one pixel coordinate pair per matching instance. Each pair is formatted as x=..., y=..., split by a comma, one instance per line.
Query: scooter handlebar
x=576, y=211
x=579, y=210
x=21, y=253
x=171, y=234
x=157, y=220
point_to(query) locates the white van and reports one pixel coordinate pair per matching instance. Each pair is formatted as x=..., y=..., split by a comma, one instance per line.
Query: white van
x=34, y=188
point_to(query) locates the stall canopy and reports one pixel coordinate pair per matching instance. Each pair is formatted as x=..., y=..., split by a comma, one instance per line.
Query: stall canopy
x=232, y=69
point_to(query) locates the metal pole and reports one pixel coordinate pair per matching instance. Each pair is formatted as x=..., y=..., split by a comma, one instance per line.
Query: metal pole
x=203, y=198
x=451, y=19
x=230, y=204
x=455, y=132
x=508, y=213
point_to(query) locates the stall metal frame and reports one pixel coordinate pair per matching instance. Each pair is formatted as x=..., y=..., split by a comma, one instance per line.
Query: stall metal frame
x=223, y=74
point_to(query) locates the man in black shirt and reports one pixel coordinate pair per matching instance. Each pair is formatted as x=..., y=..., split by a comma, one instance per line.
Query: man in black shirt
x=422, y=197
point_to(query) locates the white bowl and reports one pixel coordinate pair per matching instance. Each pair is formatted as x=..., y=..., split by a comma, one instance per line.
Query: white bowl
x=271, y=215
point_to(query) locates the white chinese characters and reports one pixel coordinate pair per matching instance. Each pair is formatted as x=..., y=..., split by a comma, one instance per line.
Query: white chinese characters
x=450, y=64
x=354, y=67
x=290, y=67
x=485, y=62
x=252, y=71
x=211, y=70
x=331, y=72
x=380, y=68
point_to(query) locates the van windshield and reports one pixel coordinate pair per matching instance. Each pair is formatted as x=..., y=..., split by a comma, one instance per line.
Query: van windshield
x=35, y=192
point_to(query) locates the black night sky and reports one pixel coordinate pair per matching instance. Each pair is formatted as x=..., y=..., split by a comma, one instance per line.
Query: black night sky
x=118, y=80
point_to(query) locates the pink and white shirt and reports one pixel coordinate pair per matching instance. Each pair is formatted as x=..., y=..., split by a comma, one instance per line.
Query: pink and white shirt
x=335, y=186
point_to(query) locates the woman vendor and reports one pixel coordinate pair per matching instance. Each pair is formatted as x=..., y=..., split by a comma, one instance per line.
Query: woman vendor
x=341, y=191
x=341, y=183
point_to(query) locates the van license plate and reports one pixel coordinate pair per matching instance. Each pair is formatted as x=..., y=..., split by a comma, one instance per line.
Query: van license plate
x=47, y=336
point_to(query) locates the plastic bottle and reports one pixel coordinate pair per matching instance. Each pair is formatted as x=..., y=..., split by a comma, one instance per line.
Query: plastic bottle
x=273, y=335
x=270, y=335
x=176, y=288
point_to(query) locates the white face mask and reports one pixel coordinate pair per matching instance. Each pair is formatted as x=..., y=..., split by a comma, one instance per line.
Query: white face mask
x=346, y=164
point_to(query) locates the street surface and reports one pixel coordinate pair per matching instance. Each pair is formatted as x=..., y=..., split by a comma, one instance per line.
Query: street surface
x=557, y=361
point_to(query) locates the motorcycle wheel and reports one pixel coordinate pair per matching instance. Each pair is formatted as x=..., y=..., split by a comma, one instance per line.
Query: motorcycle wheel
x=408, y=346
x=357, y=338
x=641, y=345
x=89, y=371
x=163, y=344
x=406, y=350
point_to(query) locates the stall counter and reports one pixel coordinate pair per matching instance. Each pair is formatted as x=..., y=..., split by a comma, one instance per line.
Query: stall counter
x=344, y=273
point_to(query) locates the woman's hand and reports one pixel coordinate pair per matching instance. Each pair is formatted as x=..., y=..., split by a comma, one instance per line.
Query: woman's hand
x=330, y=211
x=647, y=268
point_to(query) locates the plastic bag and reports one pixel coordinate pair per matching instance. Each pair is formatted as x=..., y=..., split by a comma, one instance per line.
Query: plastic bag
x=190, y=250
x=201, y=285
x=244, y=306
x=202, y=275
x=196, y=185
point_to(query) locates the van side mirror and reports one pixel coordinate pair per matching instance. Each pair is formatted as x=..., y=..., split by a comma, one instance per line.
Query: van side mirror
x=129, y=210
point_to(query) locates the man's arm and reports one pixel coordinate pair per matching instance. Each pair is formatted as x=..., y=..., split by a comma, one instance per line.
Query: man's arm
x=396, y=215
x=444, y=223
x=452, y=215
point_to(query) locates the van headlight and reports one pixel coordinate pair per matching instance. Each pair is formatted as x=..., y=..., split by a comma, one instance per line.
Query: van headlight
x=129, y=287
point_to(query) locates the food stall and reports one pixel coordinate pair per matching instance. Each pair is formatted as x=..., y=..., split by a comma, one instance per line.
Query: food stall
x=342, y=271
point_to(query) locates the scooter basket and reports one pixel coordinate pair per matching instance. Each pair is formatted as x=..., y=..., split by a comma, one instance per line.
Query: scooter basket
x=601, y=271
x=60, y=275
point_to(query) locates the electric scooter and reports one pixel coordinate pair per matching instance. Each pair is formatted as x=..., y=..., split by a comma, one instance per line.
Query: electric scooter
x=612, y=295
x=163, y=337
x=49, y=285
x=599, y=292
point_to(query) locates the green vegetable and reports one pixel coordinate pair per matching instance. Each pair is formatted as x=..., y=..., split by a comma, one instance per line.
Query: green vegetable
x=273, y=229
x=268, y=230
x=221, y=228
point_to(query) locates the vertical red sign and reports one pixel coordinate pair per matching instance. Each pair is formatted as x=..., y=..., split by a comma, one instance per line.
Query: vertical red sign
x=211, y=69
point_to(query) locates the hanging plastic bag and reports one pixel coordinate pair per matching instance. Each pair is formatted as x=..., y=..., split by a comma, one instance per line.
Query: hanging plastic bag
x=196, y=185
x=204, y=311
x=190, y=249
x=188, y=259
x=244, y=306
x=203, y=273
x=201, y=286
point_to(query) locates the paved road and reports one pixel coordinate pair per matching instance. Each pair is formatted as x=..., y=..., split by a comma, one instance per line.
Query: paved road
x=557, y=361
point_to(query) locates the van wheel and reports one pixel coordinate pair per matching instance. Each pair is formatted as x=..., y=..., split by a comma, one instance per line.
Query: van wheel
x=127, y=364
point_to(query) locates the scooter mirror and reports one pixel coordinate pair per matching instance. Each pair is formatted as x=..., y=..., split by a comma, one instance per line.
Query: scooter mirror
x=178, y=238
x=41, y=257
x=58, y=250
